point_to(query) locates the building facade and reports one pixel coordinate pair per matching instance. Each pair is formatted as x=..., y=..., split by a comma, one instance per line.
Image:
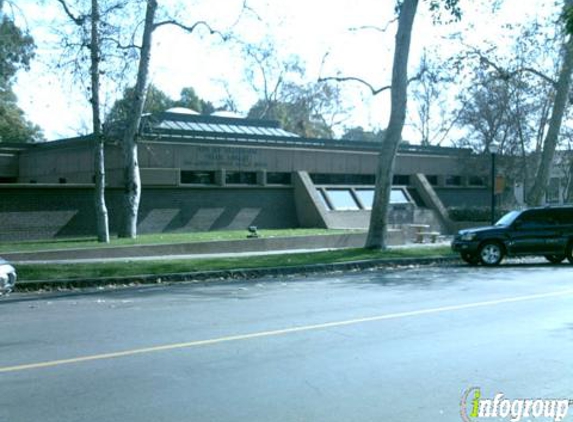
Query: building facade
x=214, y=173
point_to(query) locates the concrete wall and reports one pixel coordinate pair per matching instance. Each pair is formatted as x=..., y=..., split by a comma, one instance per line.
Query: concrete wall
x=72, y=161
x=40, y=212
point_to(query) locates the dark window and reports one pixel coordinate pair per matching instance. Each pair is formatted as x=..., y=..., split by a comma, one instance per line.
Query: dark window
x=476, y=181
x=63, y=180
x=342, y=179
x=401, y=180
x=241, y=178
x=453, y=180
x=198, y=177
x=7, y=180
x=432, y=179
x=537, y=218
x=278, y=178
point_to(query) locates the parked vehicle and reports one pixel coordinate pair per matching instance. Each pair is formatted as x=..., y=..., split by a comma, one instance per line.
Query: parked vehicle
x=7, y=277
x=544, y=231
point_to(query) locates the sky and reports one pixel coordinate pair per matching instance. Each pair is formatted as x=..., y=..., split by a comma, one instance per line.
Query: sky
x=318, y=31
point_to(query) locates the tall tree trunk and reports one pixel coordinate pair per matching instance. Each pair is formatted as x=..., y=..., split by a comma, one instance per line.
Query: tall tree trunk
x=99, y=163
x=379, y=217
x=132, y=179
x=559, y=105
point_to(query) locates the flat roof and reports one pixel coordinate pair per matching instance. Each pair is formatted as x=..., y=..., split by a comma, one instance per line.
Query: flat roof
x=170, y=127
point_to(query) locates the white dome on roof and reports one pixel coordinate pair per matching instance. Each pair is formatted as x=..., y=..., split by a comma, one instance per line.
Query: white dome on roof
x=182, y=110
x=224, y=113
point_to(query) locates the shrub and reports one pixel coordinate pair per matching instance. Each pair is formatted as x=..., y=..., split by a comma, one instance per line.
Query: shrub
x=474, y=213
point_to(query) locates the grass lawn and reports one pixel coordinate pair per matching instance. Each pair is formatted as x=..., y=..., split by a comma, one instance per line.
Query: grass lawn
x=27, y=272
x=156, y=239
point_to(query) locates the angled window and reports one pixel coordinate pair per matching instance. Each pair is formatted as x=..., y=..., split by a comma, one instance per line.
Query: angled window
x=342, y=199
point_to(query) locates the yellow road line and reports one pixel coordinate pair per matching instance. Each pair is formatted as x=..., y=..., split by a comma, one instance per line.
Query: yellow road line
x=273, y=333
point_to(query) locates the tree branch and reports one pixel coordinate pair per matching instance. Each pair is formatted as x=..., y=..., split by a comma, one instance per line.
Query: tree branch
x=507, y=75
x=373, y=90
x=119, y=45
x=78, y=20
x=191, y=28
x=374, y=28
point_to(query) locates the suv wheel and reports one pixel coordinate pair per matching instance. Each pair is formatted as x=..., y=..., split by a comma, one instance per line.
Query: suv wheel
x=470, y=258
x=555, y=259
x=491, y=253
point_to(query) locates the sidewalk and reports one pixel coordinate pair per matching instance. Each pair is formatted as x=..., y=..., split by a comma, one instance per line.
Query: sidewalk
x=206, y=255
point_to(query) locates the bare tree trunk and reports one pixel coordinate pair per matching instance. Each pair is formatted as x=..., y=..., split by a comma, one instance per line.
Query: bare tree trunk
x=99, y=160
x=560, y=103
x=379, y=217
x=132, y=179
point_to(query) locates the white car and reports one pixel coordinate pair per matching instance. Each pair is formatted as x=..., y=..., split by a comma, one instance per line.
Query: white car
x=7, y=277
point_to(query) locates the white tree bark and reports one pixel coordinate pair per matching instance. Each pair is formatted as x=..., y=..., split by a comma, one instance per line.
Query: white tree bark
x=102, y=218
x=379, y=217
x=132, y=181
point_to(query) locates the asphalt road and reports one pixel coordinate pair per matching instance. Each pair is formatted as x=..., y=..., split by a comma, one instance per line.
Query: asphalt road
x=390, y=345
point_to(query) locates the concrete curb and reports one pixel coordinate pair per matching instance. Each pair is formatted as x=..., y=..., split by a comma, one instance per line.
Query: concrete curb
x=234, y=274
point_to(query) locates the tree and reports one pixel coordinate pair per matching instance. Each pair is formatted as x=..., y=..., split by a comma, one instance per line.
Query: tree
x=189, y=99
x=546, y=98
x=406, y=10
x=358, y=133
x=89, y=26
x=132, y=179
x=562, y=92
x=378, y=217
x=307, y=110
x=14, y=127
x=16, y=52
x=430, y=115
x=155, y=101
x=132, y=182
x=102, y=219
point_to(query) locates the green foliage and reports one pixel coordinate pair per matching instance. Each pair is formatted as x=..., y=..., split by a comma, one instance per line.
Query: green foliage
x=293, y=117
x=81, y=271
x=300, y=109
x=16, y=52
x=451, y=8
x=189, y=99
x=157, y=101
x=568, y=19
x=157, y=239
x=358, y=133
x=474, y=214
x=13, y=125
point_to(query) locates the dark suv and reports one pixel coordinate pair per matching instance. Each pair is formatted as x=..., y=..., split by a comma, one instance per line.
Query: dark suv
x=537, y=231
